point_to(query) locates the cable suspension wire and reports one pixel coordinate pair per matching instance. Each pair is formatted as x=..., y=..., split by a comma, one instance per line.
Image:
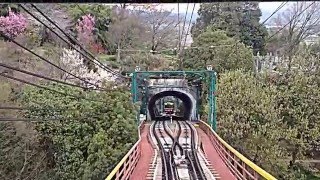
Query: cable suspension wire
x=46, y=88
x=184, y=23
x=290, y=21
x=165, y=50
x=44, y=59
x=10, y=119
x=278, y=9
x=92, y=58
x=18, y=108
x=76, y=41
x=44, y=77
x=185, y=39
x=179, y=26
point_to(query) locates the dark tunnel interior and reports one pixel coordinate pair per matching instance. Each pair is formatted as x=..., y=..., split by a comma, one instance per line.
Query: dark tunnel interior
x=187, y=104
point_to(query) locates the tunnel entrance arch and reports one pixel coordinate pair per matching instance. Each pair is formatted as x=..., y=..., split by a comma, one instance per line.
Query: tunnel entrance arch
x=141, y=87
x=188, y=104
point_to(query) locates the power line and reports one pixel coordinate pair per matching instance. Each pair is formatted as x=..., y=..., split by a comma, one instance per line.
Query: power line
x=290, y=22
x=166, y=50
x=43, y=77
x=77, y=42
x=38, y=109
x=10, y=119
x=44, y=59
x=179, y=24
x=279, y=7
x=46, y=88
x=185, y=39
x=184, y=23
x=66, y=41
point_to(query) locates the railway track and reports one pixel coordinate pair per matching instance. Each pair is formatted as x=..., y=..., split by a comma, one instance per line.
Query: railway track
x=168, y=172
x=195, y=169
x=188, y=151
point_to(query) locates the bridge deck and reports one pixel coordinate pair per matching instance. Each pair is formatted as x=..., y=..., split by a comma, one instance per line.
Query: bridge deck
x=141, y=170
x=213, y=156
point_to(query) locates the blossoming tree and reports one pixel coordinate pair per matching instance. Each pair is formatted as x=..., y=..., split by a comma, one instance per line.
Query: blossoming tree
x=13, y=24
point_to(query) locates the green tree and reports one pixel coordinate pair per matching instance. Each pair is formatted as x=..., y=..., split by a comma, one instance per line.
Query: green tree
x=219, y=50
x=248, y=119
x=102, y=15
x=92, y=136
x=239, y=19
x=298, y=102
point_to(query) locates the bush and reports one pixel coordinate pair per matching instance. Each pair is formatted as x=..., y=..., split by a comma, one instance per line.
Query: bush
x=94, y=135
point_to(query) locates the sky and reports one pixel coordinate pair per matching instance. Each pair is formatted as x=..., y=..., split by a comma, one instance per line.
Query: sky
x=266, y=7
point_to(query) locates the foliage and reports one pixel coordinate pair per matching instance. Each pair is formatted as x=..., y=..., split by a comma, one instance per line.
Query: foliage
x=239, y=19
x=270, y=121
x=92, y=136
x=85, y=30
x=225, y=53
x=145, y=61
x=100, y=12
x=102, y=20
x=299, y=105
x=248, y=118
x=13, y=24
x=5, y=8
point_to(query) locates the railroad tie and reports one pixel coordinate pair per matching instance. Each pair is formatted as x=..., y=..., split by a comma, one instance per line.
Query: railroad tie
x=152, y=167
x=212, y=170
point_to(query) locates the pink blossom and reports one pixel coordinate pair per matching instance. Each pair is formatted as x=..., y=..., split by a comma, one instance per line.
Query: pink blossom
x=85, y=29
x=13, y=24
x=86, y=25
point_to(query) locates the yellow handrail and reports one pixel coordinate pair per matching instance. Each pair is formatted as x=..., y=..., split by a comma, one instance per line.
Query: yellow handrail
x=116, y=169
x=256, y=168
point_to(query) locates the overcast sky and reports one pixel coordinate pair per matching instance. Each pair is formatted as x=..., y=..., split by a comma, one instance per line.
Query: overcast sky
x=264, y=6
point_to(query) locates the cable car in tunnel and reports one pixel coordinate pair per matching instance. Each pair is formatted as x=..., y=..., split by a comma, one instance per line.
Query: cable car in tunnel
x=169, y=108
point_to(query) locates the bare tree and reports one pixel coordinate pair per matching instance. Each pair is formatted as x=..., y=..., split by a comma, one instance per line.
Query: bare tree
x=126, y=30
x=161, y=28
x=302, y=19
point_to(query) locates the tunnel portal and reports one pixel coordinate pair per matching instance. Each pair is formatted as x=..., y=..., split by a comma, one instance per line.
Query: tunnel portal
x=186, y=100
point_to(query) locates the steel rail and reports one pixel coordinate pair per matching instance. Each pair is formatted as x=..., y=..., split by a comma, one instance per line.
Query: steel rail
x=194, y=156
x=173, y=170
x=165, y=173
x=176, y=141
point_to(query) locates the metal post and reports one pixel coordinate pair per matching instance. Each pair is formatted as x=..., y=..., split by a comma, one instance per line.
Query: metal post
x=211, y=96
x=214, y=84
x=210, y=118
x=197, y=103
x=134, y=87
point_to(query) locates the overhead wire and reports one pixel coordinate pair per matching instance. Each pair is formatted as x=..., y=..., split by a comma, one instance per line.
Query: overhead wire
x=185, y=39
x=19, y=108
x=92, y=58
x=290, y=21
x=43, y=59
x=184, y=23
x=43, y=77
x=278, y=9
x=179, y=26
x=46, y=88
x=10, y=119
x=77, y=42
